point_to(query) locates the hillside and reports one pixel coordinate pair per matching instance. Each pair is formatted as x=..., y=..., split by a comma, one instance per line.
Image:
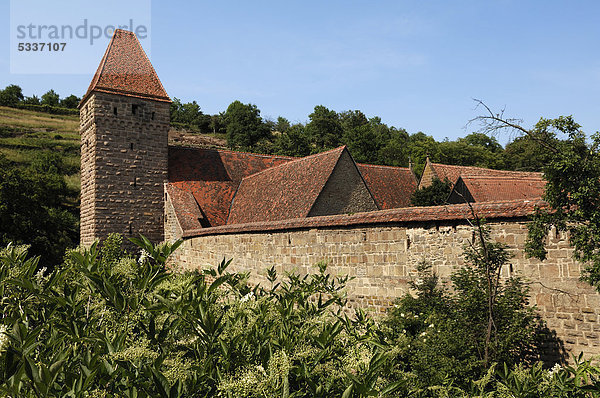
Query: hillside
x=24, y=133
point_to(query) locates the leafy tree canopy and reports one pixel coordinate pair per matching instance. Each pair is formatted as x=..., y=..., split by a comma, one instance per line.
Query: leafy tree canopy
x=11, y=95
x=50, y=98
x=70, y=102
x=244, y=126
x=434, y=195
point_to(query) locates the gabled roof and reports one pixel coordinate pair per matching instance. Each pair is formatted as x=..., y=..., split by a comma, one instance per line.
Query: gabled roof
x=494, y=188
x=212, y=176
x=285, y=191
x=186, y=208
x=126, y=70
x=452, y=172
x=391, y=187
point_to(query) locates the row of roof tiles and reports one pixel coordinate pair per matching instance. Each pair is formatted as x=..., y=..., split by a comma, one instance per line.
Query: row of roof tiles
x=488, y=210
x=235, y=187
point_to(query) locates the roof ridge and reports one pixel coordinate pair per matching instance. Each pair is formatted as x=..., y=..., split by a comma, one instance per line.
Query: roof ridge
x=294, y=161
x=491, y=210
x=147, y=59
x=484, y=168
x=531, y=177
x=98, y=71
x=383, y=166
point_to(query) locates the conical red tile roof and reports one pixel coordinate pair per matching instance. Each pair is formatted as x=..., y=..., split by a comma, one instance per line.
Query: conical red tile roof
x=126, y=70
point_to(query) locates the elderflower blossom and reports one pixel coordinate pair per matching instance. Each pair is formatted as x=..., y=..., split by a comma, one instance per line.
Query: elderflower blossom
x=247, y=297
x=3, y=337
x=554, y=370
x=144, y=255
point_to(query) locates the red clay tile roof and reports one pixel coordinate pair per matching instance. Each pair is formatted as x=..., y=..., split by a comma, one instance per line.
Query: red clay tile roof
x=126, y=70
x=285, y=191
x=187, y=211
x=487, y=210
x=391, y=187
x=213, y=176
x=452, y=172
x=492, y=188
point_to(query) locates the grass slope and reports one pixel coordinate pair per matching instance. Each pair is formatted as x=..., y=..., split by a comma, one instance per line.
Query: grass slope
x=24, y=133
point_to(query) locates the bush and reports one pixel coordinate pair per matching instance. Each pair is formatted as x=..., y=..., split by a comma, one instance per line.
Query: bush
x=456, y=332
x=106, y=324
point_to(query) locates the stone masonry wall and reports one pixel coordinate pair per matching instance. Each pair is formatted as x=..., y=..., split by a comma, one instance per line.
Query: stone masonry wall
x=344, y=192
x=382, y=258
x=123, y=166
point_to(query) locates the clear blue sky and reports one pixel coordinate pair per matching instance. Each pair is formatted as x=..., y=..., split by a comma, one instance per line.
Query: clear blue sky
x=416, y=64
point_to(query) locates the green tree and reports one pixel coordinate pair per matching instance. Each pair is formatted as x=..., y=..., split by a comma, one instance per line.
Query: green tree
x=395, y=151
x=282, y=125
x=293, y=142
x=11, y=95
x=420, y=146
x=324, y=129
x=524, y=154
x=482, y=140
x=33, y=100
x=50, y=98
x=70, y=102
x=455, y=332
x=33, y=207
x=572, y=189
x=244, y=126
x=435, y=194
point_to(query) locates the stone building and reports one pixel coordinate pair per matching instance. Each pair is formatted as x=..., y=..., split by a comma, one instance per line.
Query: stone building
x=291, y=213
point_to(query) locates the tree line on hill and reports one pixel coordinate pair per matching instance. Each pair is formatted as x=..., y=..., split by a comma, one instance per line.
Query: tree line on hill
x=12, y=96
x=368, y=138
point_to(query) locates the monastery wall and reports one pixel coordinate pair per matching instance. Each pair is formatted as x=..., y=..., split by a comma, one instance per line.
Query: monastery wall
x=382, y=255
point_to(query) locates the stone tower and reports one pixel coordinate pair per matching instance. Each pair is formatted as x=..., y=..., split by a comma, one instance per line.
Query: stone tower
x=124, y=125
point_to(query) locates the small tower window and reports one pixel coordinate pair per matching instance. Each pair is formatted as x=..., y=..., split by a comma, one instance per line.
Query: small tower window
x=134, y=109
x=115, y=110
x=153, y=115
x=131, y=146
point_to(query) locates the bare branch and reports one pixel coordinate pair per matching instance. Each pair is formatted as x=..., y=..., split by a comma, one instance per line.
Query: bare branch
x=492, y=123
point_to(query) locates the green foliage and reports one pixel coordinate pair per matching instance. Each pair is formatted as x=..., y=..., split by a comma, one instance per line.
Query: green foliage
x=434, y=195
x=525, y=154
x=34, y=207
x=452, y=333
x=106, y=324
x=572, y=191
x=50, y=98
x=110, y=325
x=324, y=129
x=293, y=142
x=11, y=95
x=33, y=100
x=71, y=102
x=190, y=115
x=244, y=126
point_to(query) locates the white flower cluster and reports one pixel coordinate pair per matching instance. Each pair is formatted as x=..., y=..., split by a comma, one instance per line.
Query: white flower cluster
x=3, y=337
x=247, y=297
x=144, y=255
x=554, y=370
